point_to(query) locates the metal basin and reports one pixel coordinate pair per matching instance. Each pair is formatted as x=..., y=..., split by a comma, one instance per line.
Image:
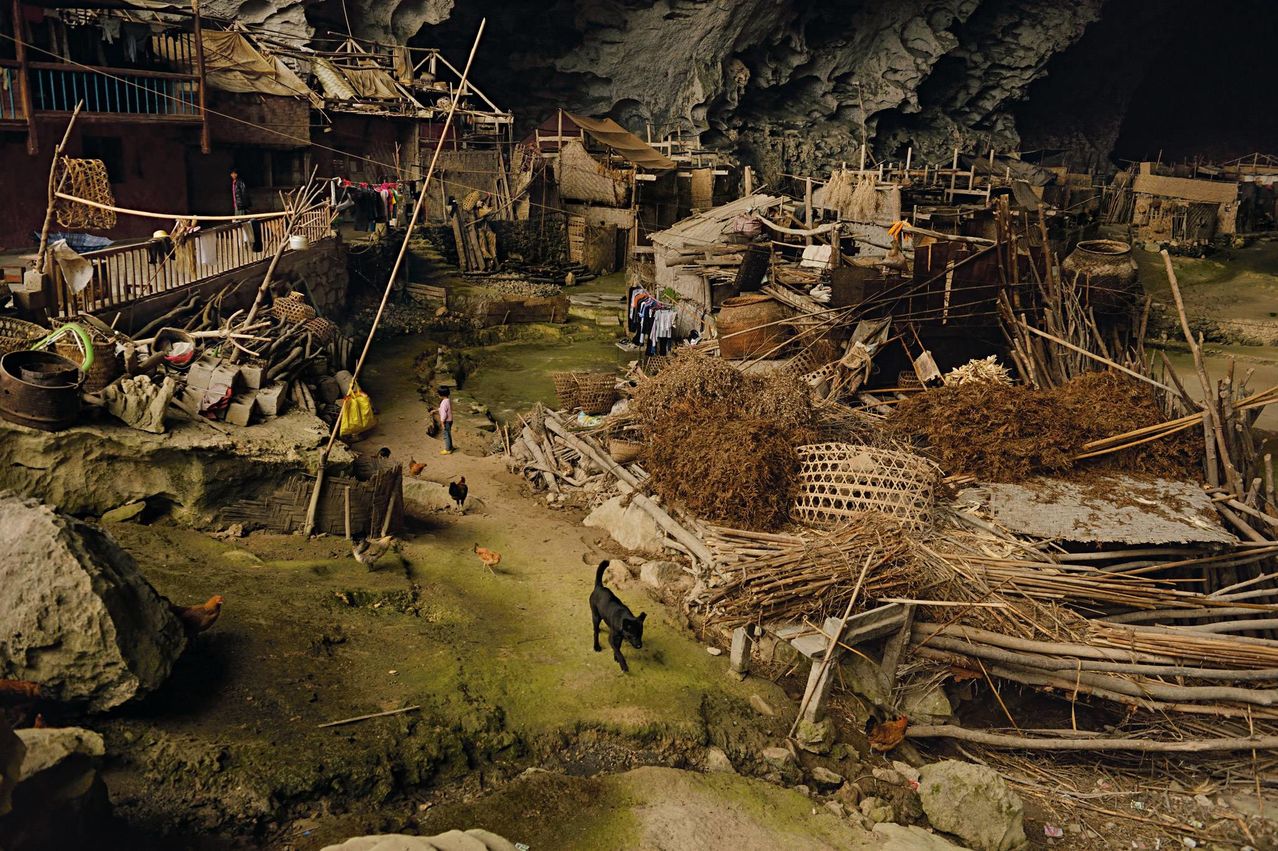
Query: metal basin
x=39, y=390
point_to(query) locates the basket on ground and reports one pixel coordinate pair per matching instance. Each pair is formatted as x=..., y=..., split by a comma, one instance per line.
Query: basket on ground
x=596, y=392
x=16, y=334
x=838, y=481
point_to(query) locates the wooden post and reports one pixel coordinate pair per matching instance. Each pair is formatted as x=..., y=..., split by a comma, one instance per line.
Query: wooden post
x=954, y=172
x=742, y=647
x=24, y=82
x=862, y=156
x=747, y=178
x=909, y=157
x=205, y=145
x=836, y=246
x=807, y=206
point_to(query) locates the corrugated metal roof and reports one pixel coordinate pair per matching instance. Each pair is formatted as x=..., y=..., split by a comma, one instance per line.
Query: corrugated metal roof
x=1112, y=509
x=710, y=227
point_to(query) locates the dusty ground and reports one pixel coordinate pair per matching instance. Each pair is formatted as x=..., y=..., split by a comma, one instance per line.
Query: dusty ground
x=500, y=666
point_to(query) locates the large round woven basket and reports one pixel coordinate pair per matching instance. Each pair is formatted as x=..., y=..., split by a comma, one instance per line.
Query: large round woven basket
x=107, y=364
x=596, y=392
x=624, y=451
x=565, y=389
x=292, y=308
x=15, y=334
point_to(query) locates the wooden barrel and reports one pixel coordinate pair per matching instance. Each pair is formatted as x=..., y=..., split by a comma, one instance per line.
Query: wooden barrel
x=741, y=326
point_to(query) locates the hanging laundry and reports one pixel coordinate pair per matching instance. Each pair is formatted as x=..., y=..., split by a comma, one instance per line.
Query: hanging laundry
x=206, y=249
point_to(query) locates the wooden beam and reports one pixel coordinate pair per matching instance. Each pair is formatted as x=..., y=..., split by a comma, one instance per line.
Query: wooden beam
x=205, y=145
x=24, y=83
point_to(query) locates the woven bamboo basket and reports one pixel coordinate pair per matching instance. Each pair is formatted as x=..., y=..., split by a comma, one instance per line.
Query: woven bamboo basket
x=16, y=335
x=624, y=451
x=908, y=379
x=292, y=308
x=565, y=389
x=837, y=481
x=107, y=364
x=595, y=394
x=324, y=330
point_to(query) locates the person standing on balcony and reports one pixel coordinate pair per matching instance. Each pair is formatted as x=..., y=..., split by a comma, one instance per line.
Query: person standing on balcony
x=242, y=205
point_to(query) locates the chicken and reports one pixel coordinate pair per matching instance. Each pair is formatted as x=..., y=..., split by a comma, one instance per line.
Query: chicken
x=197, y=619
x=368, y=551
x=458, y=491
x=490, y=558
x=415, y=467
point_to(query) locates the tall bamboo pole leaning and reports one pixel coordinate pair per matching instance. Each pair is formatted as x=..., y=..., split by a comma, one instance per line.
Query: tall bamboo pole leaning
x=1209, y=405
x=390, y=281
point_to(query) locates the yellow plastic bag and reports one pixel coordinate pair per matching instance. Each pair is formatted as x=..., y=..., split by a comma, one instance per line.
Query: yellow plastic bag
x=357, y=413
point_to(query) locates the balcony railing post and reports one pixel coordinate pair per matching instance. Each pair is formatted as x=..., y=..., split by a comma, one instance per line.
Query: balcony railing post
x=24, y=85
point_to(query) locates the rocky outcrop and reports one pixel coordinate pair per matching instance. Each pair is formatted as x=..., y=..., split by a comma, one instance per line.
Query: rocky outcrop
x=453, y=840
x=973, y=803
x=195, y=469
x=76, y=616
x=788, y=86
x=59, y=801
x=629, y=525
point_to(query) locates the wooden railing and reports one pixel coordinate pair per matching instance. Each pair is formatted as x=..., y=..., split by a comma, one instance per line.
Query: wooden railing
x=116, y=91
x=10, y=91
x=126, y=273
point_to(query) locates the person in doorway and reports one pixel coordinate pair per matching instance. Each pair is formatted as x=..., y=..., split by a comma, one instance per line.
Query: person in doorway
x=242, y=205
x=446, y=419
x=240, y=201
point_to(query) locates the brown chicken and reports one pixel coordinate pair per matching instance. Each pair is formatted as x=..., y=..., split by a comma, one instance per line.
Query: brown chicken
x=490, y=558
x=415, y=467
x=197, y=619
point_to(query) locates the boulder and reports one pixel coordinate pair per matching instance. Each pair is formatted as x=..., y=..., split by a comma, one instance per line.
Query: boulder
x=453, y=840
x=973, y=803
x=629, y=525
x=12, y=752
x=717, y=760
x=661, y=574
x=423, y=496
x=898, y=837
x=823, y=776
x=761, y=706
x=76, y=615
x=926, y=704
x=815, y=737
x=877, y=810
x=58, y=800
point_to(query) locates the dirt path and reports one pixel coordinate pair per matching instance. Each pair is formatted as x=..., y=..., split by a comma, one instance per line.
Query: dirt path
x=500, y=666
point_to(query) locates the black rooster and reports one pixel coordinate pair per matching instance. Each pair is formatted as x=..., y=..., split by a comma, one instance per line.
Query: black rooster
x=458, y=491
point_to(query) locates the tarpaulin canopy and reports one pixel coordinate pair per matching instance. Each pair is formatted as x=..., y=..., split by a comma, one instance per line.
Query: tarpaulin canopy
x=626, y=144
x=232, y=64
x=355, y=83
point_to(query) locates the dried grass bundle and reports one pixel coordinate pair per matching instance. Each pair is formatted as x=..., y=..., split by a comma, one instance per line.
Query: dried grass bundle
x=1006, y=434
x=811, y=577
x=711, y=382
x=737, y=469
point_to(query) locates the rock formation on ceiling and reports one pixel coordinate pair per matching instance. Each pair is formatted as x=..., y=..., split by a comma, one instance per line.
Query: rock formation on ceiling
x=790, y=85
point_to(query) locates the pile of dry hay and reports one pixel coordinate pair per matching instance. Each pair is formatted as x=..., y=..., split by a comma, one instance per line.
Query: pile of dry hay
x=812, y=577
x=1005, y=434
x=722, y=442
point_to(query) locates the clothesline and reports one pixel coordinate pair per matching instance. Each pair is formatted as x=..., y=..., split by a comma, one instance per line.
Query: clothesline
x=168, y=217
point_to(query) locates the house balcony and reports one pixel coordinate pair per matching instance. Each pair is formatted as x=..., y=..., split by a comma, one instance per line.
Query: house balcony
x=112, y=94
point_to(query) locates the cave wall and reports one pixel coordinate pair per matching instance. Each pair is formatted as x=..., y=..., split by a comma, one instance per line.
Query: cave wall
x=796, y=85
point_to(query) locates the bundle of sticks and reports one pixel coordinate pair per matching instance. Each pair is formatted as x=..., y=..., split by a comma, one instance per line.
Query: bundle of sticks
x=764, y=577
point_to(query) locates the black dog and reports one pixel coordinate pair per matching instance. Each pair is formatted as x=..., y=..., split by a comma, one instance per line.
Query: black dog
x=622, y=623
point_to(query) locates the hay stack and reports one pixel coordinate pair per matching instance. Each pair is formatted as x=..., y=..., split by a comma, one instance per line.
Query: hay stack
x=722, y=442
x=1008, y=433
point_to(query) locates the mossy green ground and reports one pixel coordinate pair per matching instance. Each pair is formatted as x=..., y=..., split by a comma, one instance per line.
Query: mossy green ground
x=501, y=666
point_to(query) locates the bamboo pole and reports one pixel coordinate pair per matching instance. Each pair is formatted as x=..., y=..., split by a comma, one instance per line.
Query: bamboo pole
x=1213, y=416
x=54, y=190
x=394, y=275
x=1097, y=743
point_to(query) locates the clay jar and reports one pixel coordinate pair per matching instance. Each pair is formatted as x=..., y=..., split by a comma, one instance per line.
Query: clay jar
x=1105, y=273
x=746, y=313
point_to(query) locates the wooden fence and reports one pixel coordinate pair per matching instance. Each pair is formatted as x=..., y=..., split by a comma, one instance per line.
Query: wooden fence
x=126, y=273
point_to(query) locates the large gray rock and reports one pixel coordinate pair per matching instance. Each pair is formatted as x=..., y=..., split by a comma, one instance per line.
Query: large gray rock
x=973, y=803
x=59, y=801
x=12, y=752
x=453, y=840
x=76, y=616
x=629, y=525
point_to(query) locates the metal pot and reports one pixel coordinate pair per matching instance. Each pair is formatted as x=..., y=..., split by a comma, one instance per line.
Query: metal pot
x=39, y=390
x=1105, y=273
